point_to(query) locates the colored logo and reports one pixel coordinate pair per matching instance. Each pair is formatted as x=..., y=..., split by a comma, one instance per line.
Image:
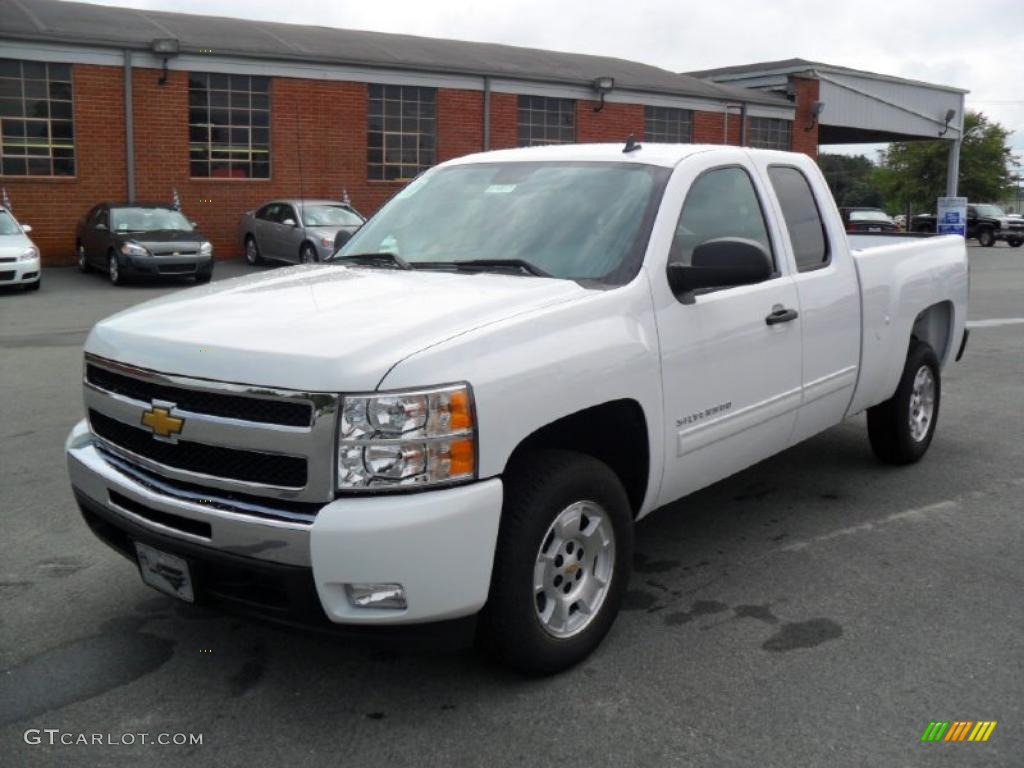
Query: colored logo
x=958, y=730
x=161, y=423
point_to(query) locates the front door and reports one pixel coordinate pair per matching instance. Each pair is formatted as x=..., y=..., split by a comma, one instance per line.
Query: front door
x=731, y=379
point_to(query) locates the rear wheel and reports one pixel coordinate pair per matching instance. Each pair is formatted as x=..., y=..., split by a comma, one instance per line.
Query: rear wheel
x=1016, y=243
x=901, y=428
x=252, y=251
x=986, y=237
x=562, y=562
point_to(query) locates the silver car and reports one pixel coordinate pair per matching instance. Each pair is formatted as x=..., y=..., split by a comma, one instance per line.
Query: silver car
x=297, y=231
x=19, y=256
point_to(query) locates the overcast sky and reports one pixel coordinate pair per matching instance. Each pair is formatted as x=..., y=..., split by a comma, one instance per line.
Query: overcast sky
x=977, y=45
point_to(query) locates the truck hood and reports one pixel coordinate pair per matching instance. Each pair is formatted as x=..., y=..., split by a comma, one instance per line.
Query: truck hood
x=321, y=328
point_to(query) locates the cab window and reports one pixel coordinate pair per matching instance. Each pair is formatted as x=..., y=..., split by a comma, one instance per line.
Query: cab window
x=803, y=219
x=721, y=203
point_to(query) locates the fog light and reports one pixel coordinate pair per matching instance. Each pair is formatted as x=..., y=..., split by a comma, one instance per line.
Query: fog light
x=376, y=595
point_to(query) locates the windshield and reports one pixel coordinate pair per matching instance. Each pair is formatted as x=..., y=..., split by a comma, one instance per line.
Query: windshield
x=571, y=220
x=869, y=216
x=990, y=210
x=148, y=220
x=8, y=226
x=329, y=216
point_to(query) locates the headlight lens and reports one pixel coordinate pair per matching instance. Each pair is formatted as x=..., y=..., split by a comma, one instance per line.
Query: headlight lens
x=29, y=253
x=133, y=249
x=206, y=249
x=326, y=242
x=398, y=439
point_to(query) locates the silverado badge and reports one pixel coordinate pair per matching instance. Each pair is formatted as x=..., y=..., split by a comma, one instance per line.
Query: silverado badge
x=159, y=420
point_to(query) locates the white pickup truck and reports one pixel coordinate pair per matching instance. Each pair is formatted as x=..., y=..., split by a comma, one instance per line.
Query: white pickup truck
x=467, y=410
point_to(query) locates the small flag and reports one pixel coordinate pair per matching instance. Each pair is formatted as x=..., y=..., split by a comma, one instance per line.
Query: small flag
x=177, y=200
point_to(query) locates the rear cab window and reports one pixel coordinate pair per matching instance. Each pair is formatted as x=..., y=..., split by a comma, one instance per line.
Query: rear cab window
x=803, y=217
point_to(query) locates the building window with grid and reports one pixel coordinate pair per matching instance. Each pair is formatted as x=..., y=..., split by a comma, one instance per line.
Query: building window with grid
x=401, y=137
x=37, y=132
x=668, y=125
x=228, y=126
x=769, y=133
x=543, y=120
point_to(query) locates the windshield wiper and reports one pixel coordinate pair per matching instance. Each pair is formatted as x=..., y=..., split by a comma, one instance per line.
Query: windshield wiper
x=379, y=259
x=481, y=265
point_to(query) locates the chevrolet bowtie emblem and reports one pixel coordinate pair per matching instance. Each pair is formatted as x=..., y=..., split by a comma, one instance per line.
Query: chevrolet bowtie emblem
x=161, y=423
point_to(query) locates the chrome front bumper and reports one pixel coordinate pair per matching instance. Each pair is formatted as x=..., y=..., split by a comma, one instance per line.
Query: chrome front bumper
x=234, y=532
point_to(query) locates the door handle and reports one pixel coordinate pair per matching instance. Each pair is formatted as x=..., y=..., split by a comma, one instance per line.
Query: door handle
x=781, y=315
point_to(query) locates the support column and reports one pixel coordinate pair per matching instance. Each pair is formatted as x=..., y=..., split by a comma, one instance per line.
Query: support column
x=953, y=168
x=129, y=126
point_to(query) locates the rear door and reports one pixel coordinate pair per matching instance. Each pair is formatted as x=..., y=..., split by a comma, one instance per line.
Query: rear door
x=97, y=235
x=263, y=227
x=731, y=380
x=828, y=289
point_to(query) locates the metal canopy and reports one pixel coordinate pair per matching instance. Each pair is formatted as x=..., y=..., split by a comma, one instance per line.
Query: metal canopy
x=863, y=107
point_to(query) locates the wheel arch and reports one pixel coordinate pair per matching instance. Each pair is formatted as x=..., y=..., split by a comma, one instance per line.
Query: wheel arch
x=934, y=326
x=614, y=432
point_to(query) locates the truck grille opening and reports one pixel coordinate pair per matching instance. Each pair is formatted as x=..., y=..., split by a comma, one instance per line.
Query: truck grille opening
x=297, y=414
x=177, y=522
x=212, y=460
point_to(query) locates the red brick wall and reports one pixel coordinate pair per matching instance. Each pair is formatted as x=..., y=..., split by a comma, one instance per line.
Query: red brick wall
x=53, y=206
x=504, y=119
x=613, y=123
x=318, y=148
x=806, y=141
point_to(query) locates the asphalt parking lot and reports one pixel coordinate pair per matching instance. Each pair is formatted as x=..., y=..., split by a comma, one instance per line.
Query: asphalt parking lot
x=818, y=609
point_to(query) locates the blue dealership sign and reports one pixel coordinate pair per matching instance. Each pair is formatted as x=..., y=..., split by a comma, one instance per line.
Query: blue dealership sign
x=952, y=216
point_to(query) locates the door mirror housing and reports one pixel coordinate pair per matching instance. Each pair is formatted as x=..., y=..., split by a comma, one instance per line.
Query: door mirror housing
x=341, y=237
x=101, y=225
x=26, y=228
x=724, y=262
x=289, y=223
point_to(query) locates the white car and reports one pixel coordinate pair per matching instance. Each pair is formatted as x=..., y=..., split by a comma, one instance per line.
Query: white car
x=19, y=256
x=523, y=353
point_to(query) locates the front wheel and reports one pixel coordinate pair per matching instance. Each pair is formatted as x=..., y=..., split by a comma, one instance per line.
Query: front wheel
x=562, y=562
x=252, y=252
x=114, y=269
x=308, y=254
x=986, y=237
x=1016, y=243
x=83, y=260
x=901, y=428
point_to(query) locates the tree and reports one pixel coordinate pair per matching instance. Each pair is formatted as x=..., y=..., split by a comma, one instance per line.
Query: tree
x=850, y=179
x=914, y=173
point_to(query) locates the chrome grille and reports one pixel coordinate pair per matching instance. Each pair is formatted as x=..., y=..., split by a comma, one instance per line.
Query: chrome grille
x=269, y=443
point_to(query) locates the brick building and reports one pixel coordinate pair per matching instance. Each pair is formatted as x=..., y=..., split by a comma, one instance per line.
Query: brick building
x=101, y=103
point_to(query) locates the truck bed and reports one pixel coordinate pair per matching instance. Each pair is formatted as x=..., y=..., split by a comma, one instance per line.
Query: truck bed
x=909, y=285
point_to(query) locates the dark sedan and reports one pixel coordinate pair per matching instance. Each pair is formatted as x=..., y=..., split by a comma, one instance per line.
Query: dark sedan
x=860, y=220
x=142, y=240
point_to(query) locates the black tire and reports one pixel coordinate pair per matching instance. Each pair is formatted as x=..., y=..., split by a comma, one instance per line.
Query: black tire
x=889, y=428
x=308, y=254
x=538, y=489
x=252, y=251
x=114, y=269
x=34, y=286
x=83, y=261
x=1016, y=243
x=986, y=237
x=204, y=276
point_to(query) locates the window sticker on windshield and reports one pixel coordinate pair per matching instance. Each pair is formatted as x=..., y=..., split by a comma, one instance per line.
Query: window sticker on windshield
x=499, y=189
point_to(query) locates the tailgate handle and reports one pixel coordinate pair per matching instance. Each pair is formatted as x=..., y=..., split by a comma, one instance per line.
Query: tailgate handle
x=781, y=315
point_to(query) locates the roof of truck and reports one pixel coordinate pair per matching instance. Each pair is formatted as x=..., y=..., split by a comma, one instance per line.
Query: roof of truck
x=667, y=155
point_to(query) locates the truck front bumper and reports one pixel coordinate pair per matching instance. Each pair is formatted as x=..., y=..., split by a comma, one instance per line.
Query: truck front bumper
x=438, y=545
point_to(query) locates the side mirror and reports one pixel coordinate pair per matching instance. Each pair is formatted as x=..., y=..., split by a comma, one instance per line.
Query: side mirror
x=289, y=223
x=26, y=228
x=341, y=237
x=721, y=263
x=194, y=225
x=101, y=225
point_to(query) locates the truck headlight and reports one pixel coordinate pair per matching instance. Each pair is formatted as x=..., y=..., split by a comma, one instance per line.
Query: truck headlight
x=206, y=249
x=29, y=253
x=399, y=439
x=134, y=249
